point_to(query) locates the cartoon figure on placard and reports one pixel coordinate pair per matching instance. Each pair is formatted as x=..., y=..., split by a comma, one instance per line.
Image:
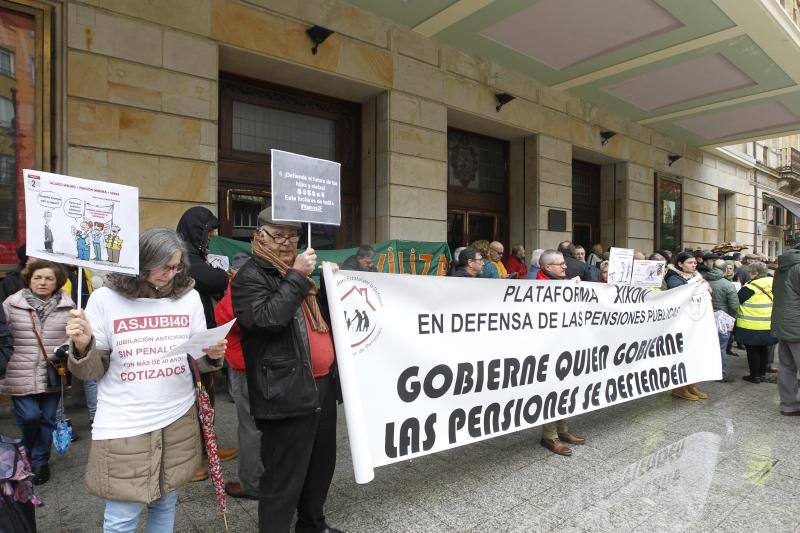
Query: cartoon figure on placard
x=113, y=244
x=97, y=240
x=48, y=233
x=82, y=239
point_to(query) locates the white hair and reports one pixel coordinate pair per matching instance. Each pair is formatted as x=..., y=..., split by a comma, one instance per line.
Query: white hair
x=535, y=257
x=548, y=257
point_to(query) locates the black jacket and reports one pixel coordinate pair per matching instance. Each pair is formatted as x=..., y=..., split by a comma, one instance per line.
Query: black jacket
x=210, y=282
x=11, y=283
x=6, y=343
x=576, y=267
x=275, y=342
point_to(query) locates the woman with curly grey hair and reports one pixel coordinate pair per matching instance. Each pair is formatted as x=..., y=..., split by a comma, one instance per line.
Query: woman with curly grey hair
x=145, y=435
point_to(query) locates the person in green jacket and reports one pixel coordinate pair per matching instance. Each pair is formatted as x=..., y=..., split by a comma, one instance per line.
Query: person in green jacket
x=723, y=298
x=786, y=328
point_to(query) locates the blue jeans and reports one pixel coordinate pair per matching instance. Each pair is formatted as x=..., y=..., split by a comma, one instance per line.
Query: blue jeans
x=36, y=417
x=90, y=391
x=723, y=346
x=123, y=517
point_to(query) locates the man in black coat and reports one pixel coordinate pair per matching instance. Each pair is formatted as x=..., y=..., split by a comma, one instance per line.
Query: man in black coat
x=196, y=227
x=575, y=267
x=290, y=367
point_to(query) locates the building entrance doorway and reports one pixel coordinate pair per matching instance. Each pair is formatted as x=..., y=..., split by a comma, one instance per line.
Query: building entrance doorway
x=585, y=203
x=255, y=117
x=477, y=188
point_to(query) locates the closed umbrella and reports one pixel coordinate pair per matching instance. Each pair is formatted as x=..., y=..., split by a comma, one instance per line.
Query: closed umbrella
x=205, y=412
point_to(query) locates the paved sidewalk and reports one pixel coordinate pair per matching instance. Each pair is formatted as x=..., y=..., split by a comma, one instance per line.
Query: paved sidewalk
x=728, y=464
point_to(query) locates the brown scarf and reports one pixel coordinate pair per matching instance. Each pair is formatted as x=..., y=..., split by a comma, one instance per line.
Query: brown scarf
x=310, y=304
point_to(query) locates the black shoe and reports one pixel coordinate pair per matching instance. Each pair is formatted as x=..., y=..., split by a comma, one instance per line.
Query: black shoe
x=41, y=474
x=726, y=379
x=752, y=379
x=790, y=413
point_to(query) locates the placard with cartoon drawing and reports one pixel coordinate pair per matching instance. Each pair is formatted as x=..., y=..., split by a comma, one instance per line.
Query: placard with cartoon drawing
x=82, y=222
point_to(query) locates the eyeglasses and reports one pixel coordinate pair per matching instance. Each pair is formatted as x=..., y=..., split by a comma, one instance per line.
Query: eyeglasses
x=557, y=264
x=170, y=269
x=280, y=238
x=476, y=259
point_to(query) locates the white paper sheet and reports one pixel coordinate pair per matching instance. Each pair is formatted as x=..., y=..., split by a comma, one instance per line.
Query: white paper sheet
x=194, y=346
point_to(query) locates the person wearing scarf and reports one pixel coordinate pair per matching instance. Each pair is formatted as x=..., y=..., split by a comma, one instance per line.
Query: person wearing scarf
x=683, y=272
x=37, y=315
x=290, y=370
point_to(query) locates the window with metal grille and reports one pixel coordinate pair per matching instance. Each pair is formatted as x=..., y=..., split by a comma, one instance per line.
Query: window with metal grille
x=260, y=129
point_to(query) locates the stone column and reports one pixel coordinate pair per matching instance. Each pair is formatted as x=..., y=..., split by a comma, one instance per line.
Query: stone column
x=551, y=166
x=523, y=193
x=141, y=106
x=411, y=199
x=699, y=214
x=636, y=209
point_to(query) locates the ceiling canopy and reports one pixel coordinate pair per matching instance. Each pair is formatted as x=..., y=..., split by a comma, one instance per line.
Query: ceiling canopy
x=710, y=72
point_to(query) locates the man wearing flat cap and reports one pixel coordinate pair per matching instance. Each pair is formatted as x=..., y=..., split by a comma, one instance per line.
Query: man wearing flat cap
x=707, y=264
x=289, y=365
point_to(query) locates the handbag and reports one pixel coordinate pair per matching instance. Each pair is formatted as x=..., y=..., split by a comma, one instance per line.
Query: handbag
x=57, y=373
x=17, y=499
x=57, y=377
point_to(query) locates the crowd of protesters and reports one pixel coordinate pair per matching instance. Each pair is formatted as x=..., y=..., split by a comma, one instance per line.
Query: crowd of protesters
x=281, y=371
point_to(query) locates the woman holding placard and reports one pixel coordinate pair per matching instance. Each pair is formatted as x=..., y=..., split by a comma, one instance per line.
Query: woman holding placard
x=145, y=436
x=36, y=317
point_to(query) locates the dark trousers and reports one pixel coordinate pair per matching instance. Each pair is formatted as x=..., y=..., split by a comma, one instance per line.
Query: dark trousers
x=299, y=456
x=36, y=417
x=757, y=359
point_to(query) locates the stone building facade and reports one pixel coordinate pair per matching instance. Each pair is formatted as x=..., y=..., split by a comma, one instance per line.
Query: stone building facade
x=155, y=94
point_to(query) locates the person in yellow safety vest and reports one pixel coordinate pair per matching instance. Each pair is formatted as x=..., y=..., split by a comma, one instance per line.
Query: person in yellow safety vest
x=754, y=321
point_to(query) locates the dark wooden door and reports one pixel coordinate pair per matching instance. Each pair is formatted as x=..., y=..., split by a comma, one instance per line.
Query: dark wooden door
x=585, y=203
x=256, y=116
x=477, y=190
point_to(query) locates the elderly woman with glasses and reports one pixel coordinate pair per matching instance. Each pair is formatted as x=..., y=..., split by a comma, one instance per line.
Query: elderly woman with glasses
x=145, y=435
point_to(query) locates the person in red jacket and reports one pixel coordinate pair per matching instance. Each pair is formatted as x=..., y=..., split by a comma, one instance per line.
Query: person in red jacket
x=250, y=467
x=555, y=434
x=516, y=261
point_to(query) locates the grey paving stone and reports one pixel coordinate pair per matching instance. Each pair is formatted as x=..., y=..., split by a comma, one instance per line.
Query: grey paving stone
x=513, y=484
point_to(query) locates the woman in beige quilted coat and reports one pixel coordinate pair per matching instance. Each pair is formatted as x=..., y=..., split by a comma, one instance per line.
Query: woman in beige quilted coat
x=145, y=434
x=37, y=316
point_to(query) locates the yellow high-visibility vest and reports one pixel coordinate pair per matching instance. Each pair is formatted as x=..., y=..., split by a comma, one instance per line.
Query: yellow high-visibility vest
x=756, y=312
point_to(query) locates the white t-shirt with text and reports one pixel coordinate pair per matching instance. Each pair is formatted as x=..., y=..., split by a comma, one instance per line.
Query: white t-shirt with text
x=142, y=390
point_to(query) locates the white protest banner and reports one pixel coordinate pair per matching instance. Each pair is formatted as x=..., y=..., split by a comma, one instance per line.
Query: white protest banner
x=305, y=189
x=620, y=265
x=82, y=222
x=431, y=364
